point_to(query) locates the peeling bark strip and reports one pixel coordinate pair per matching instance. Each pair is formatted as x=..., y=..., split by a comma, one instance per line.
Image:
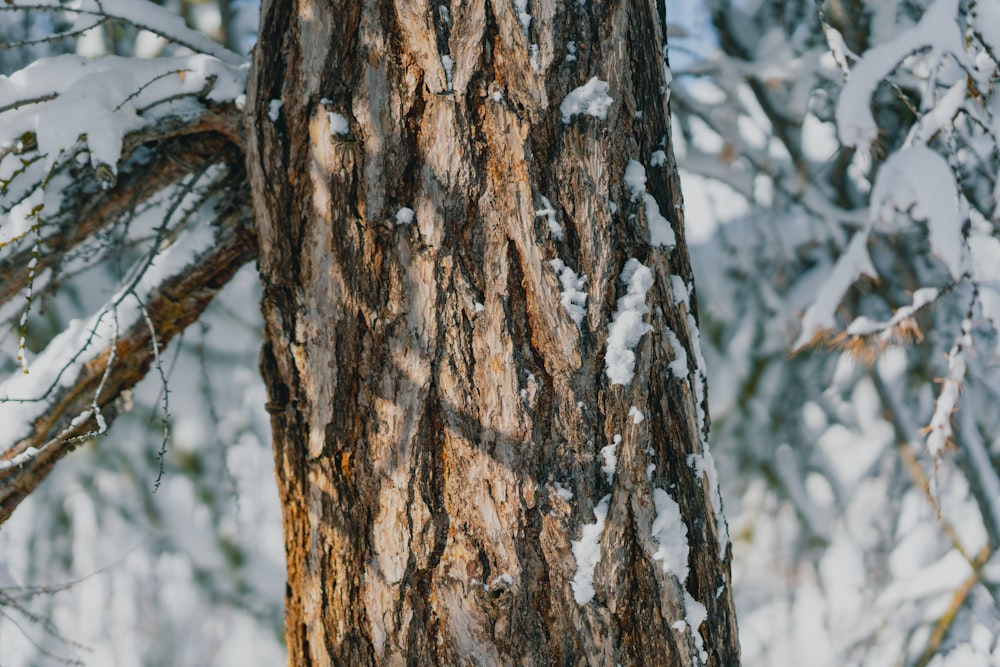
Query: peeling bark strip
x=438, y=414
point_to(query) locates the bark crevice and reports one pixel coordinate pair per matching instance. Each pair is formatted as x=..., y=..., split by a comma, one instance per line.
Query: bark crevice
x=433, y=403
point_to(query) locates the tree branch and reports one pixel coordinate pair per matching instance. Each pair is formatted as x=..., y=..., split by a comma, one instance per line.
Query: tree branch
x=174, y=305
x=206, y=137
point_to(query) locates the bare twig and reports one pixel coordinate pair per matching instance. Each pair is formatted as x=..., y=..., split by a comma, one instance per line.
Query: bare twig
x=172, y=307
x=961, y=595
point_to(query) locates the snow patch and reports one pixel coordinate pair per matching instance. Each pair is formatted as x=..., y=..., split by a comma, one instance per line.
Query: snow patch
x=587, y=552
x=522, y=14
x=679, y=366
x=660, y=231
x=610, y=459
x=563, y=492
x=636, y=415
x=635, y=178
x=680, y=290
x=695, y=614
x=704, y=464
x=574, y=298
x=591, y=98
x=670, y=533
x=570, y=51
x=338, y=124
x=448, y=64
x=628, y=327
x=274, y=110
x=549, y=212
x=404, y=216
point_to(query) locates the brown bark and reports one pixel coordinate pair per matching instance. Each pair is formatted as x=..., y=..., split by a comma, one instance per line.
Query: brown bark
x=427, y=388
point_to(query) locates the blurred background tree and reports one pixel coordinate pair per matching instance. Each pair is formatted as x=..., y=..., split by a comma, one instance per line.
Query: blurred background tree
x=862, y=495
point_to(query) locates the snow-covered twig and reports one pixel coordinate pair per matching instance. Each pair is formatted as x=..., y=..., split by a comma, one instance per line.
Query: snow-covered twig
x=142, y=14
x=939, y=431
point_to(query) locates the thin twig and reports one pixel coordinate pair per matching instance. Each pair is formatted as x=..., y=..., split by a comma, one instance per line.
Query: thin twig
x=944, y=623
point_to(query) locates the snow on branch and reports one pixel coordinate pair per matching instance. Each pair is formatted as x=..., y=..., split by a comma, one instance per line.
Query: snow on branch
x=143, y=14
x=26, y=396
x=914, y=183
x=47, y=107
x=143, y=126
x=938, y=31
x=71, y=220
x=919, y=182
x=939, y=431
x=186, y=279
x=865, y=339
x=853, y=264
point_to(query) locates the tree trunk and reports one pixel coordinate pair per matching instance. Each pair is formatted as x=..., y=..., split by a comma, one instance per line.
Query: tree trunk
x=439, y=416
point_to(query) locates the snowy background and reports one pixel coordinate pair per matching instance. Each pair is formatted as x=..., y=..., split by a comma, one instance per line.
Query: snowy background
x=840, y=178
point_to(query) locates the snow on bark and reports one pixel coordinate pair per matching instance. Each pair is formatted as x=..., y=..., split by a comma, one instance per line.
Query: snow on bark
x=587, y=553
x=591, y=98
x=660, y=231
x=609, y=460
x=549, y=212
x=404, y=216
x=670, y=534
x=704, y=464
x=679, y=366
x=574, y=297
x=628, y=326
x=399, y=353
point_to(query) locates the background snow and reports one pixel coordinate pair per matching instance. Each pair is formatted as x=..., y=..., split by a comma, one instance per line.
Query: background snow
x=839, y=557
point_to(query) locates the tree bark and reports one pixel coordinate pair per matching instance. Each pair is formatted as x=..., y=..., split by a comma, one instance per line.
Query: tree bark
x=433, y=402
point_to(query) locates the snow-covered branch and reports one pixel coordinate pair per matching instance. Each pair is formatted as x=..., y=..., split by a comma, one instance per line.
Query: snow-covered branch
x=143, y=14
x=67, y=415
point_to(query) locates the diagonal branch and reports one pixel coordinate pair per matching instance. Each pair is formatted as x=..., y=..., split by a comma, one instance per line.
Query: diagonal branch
x=958, y=600
x=206, y=137
x=174, y=305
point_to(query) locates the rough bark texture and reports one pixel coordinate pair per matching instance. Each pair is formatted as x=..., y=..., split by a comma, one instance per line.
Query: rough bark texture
x=428, y=389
